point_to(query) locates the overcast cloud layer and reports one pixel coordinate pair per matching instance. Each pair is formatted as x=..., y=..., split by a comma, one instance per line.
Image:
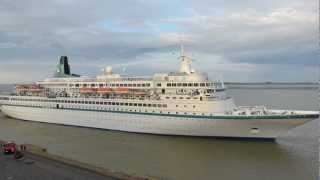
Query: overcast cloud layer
x=240, y=41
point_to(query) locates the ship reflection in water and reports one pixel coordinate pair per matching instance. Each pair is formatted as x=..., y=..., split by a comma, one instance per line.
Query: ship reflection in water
x=293, y=157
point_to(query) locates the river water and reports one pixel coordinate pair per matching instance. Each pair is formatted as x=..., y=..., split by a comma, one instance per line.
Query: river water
x=294, y=156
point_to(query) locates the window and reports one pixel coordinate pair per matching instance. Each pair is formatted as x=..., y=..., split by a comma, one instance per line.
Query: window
x=202, y=84
x=179, y=84
x=169, y=84
x=185, y=84
x=195, y=84
x=174, y=84
x=100, y=85
x=159, y=84
x=190, y=84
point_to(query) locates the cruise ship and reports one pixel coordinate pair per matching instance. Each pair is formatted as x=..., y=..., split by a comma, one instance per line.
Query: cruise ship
x=184, y=103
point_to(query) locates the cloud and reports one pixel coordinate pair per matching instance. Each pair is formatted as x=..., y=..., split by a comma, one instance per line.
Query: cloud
x=244, y=41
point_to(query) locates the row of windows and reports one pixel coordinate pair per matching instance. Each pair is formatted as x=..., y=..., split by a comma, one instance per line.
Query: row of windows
x=189, y=84
x=181, y=98
x=111, y=85
x=130, y=110
x=4, y=98
x=93, y=102
x=143, y=85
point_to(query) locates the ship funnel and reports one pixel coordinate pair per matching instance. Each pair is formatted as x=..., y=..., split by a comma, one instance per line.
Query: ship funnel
x=65, y=65
x=63, y=68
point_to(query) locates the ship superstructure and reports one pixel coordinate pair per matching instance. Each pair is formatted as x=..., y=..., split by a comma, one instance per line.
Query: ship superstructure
x=186, y=102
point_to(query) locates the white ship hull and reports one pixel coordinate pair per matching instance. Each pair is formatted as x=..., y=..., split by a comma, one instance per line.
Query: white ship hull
x=158, y=124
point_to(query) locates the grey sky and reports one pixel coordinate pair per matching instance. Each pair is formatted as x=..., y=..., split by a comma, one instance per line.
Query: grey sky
x=239, y=40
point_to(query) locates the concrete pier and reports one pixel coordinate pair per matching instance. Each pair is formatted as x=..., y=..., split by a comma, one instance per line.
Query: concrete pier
x=38, y=164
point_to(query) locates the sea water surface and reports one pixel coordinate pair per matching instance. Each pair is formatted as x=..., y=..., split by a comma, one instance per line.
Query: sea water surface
x=293, y=157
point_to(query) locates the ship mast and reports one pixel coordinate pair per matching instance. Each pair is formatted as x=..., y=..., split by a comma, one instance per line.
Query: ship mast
x=185, y=66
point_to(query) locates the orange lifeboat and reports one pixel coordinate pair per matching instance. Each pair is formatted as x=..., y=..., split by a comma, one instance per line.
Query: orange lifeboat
x=29, y=87
x=140, y=93
x=21, y=88
x=121, y=90
x=35, y=88
x=88, y=90
x=104, y=90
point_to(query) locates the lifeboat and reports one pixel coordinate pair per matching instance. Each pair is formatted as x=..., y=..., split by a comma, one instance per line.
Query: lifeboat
x=29, y=87
x=121, y=90
x=140, y=93
x=104, y=90
x=88, y=90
